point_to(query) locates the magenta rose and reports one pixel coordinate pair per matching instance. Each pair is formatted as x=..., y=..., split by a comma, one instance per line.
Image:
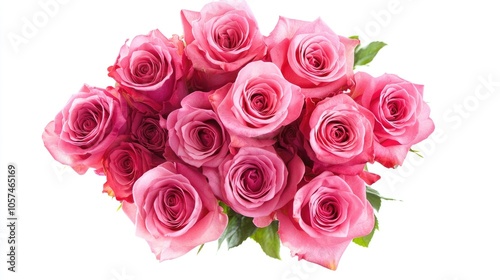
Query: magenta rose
x=83, y=130
x=339, y=135
x=176, y=211
x=312, y=56
x=123, y=164
x=256, y=182
x=323, y=218
x=221, y=39
x=150, y=70
x=257, y=105
x=401, y=116
x=196, y=135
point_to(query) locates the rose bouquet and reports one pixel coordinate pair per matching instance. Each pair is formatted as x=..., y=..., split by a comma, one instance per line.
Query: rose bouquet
x=227, y=134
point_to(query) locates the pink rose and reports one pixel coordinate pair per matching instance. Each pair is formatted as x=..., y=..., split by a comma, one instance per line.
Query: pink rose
x=401, y=116
x=312, y=56
x=339, y=135
x=175, y=210
x=146, y=130
x=83, y=130
x=134, y=104
x=323, y=218
x=221, y=39
x=123, y=164
x=257, y=105
x=196, y=135
x=290, y=142
x=256, y=182
x=150, y=70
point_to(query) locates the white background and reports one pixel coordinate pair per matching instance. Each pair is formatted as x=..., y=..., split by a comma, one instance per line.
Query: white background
x=446, y=226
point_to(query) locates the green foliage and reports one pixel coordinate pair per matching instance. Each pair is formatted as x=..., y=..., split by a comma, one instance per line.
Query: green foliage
x=240, y=227
x=269, y=240
x=363, y=56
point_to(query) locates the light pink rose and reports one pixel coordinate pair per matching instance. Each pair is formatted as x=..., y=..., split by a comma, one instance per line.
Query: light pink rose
x=312, y=56
x=323, y=218
x=221, y=39
x=256, y=182
x=339, y=135
x=83, y=130
x=196, y=135
x=257, y=105
x=123, y=164
x=150, y=70
x=176, y=211
x=401, y=115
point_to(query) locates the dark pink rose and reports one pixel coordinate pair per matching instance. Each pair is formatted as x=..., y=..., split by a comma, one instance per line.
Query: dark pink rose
x=290, y=142
x=339, y=135
x=176, y=211
x=323, y=218
x=146, y=130
x=256, y=182
x=196, y=135
x=401, y=115
x=83, y=130
x=123, y=164
x=134, y=104
x=257, y=105
x=221, y=39
x=150, y=70
x=312, y=56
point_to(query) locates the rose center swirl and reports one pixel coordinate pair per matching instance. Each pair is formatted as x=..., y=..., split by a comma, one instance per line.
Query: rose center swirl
x=395, y=110
x=177, y=208
x=258, y=102
x=229, y=34
x=207, y=137
x=252, y=180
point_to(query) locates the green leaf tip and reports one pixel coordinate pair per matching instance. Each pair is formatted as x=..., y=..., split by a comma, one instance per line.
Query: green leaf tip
x=199, y=249
x=416, y=152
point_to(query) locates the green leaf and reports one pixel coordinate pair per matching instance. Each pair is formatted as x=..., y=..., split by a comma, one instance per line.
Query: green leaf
x=238, y=229
x=364, y=241
x=269, y=240
x=225, y=208
x=416, y=152
x=363, y=56
x=199, y=249
x=119, y=207
x=374, y=197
